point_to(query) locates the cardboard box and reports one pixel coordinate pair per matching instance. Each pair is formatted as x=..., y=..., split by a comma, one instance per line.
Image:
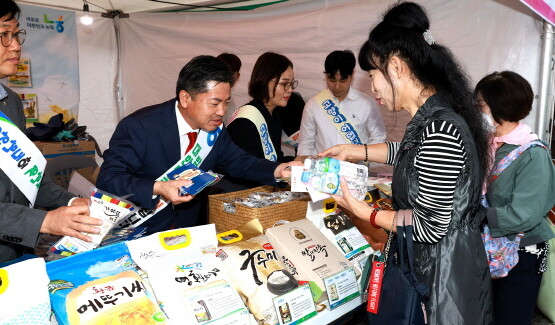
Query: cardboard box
x=51, y=150
x=55, y=149
x=307, y=253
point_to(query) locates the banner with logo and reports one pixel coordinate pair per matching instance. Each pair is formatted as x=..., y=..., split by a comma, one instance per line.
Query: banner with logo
x=48, y=74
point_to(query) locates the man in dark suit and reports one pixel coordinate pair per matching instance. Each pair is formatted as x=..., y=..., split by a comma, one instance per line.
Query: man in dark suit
x=20, y=224
x=147, y=143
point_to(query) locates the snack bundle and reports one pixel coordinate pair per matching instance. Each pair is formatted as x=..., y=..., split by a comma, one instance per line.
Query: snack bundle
x=200, y=179
x=323, y=174
x=264, y=199
x=101, y=286
x=105, y=206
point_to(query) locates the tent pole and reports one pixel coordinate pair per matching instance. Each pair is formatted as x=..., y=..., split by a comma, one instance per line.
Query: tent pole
x=119, y=98
x=545, y=102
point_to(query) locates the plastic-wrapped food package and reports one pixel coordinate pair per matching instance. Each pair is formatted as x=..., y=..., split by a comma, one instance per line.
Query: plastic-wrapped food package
x=102, y=286
x=264, y=199
x=105, y=206
x=24, y=293
x=253, y=268
x=323, y=174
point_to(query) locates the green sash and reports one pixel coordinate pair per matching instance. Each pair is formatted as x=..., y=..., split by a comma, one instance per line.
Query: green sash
x=20, y=159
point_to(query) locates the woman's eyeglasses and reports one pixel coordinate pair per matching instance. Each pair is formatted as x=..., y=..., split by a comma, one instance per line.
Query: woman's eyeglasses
x=289, y=84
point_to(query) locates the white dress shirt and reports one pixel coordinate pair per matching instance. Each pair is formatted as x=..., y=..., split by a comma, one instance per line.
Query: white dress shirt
x=318, y=132
x=183, y=127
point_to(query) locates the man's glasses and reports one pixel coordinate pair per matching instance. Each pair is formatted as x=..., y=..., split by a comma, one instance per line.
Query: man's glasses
x=289, y=85
x=8, y=36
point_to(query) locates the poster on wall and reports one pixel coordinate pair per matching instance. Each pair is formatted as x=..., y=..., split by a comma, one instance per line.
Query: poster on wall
x=23, y=76
x=53, y=82
x=30, y=107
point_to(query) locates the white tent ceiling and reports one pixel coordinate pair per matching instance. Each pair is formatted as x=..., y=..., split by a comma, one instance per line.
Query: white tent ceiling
x=134, y=6
x=130, y=62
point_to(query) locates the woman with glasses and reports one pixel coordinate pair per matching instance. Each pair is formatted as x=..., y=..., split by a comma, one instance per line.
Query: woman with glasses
x=254, y=127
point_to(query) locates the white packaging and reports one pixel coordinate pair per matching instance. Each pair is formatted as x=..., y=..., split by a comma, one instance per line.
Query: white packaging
x=248, y=265
x=104, y=206
x=186, y=276
x=322, y=174
x=341, y=232
x=24, y=293
x=307, y=253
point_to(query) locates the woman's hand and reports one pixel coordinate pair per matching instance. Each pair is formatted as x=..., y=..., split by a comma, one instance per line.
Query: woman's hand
x=350, y=152
x=359, y=208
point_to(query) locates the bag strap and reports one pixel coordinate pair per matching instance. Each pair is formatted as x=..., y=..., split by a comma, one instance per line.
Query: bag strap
x=406, y=253
x=512, y=156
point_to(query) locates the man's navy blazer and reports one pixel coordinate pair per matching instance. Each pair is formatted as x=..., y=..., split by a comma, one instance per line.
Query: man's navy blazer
x=146, y=144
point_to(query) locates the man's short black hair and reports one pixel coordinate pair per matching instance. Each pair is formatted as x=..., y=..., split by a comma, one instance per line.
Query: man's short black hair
x=9, y=10
x=342, y=61
x=232, y=61
x=195, y=75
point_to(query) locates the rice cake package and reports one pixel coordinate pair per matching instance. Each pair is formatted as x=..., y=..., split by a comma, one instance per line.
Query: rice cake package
x=187, y=277
x=24, y=293
x=308, y=254
x=340, y=230
x=253, y=268
x=101, y=286
x=194, y=290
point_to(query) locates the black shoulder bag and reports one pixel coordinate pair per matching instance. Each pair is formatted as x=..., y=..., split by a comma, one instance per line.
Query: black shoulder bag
x=402, y=296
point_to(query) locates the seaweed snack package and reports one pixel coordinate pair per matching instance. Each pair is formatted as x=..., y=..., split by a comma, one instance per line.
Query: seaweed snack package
x=110, y=208
x=254, y=270
x=308, y=254
x=24, y=293
x=340, y=231
x=323, y=174
x=101, y=286
x=199, y=178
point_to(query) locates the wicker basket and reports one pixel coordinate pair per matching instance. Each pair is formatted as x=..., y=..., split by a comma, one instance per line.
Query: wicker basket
x=227, y=215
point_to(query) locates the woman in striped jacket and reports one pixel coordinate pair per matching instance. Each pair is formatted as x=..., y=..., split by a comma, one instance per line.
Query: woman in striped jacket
x=439, y=165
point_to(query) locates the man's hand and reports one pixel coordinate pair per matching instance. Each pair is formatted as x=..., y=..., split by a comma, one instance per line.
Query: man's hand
x=282, y=171
x=71, y=221
x=169, y=190
x=81, y=201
